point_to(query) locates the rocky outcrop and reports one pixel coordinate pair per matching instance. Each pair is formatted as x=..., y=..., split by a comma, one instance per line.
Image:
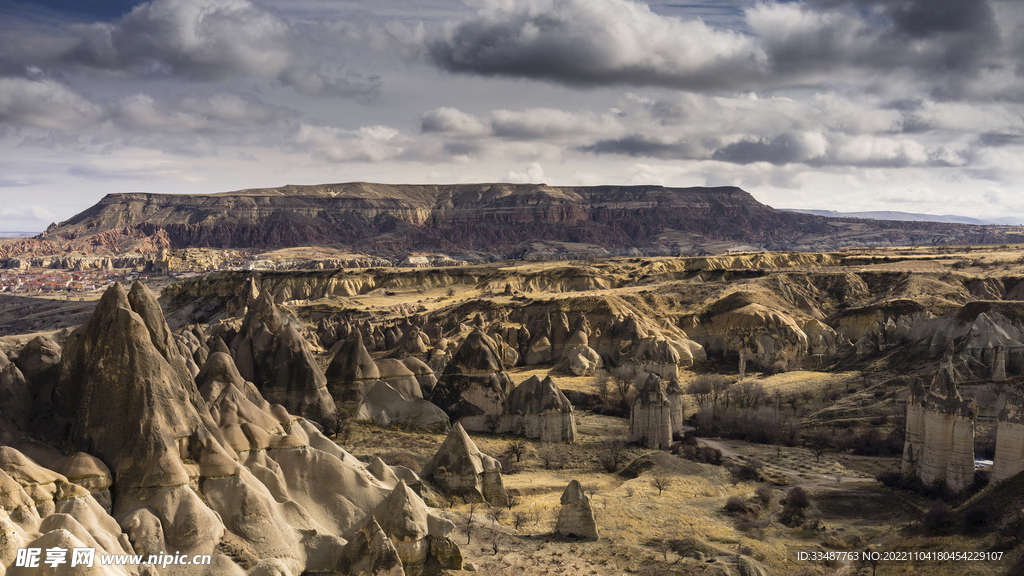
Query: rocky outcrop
x=269, y=351
x=1009, y=457
x=459, y=467
x=385, y=392
x=762, y=335
x=538, y=409
x=992, y=342
x=675, y=404
x=939, y=446
x=194, y=466
x=351, y=373
x=576, y=517
x=650, y=420
x=474, y=384
x=418, y=535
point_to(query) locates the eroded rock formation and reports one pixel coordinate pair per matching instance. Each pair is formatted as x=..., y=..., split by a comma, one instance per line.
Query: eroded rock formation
x=474, y=384
x=939, y=446
x=166, y=465
x=459, y=467
x=650, y=420
x=576, y=517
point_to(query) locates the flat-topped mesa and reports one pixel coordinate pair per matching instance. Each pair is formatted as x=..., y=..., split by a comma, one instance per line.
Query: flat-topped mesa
x=270, y=352
x=474, y=384
x=538, y=409
x=939, y=445
x=650, y=420
x=459, y=467
x=313, y=215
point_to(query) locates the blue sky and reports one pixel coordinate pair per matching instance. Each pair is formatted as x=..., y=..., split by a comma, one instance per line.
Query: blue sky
x=909, y=105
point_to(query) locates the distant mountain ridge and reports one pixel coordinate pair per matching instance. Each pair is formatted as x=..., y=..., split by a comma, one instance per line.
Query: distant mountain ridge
x=911, y=217
x=487, y=220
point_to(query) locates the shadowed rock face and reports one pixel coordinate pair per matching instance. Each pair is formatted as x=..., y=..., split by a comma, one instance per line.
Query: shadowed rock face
x=188, y=466
x=474, y=382
x=939, y=445
x=486, y=217
x=650, y=420
x=461, y=468
x=282, y=365
x=112, y=368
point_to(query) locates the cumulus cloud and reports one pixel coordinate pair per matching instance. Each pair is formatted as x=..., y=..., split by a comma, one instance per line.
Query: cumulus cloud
x=942, y=43
x=589, y=42
x=44, y=104
x=781, y=149
x=548, y=123
x=637, y=145
x=198, y=114
x=534, y=173
x=366, y=144
x=207, y=40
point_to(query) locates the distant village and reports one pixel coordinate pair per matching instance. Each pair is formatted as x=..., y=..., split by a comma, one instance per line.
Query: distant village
x=55, y=281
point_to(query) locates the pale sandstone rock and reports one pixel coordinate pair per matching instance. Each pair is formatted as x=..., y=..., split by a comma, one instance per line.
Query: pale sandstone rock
x=538, y=409
x=650, y=420
x=576, y=518
x=459, y=467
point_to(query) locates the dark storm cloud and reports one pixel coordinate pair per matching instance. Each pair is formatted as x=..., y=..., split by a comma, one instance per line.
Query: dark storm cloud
x=641, y=146
x=779, y=150
x=588, y=42
x=607, y=42
x=991, y=139
x=925, y=18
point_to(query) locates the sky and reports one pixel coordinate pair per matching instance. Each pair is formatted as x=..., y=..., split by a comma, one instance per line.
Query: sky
x=847, y=105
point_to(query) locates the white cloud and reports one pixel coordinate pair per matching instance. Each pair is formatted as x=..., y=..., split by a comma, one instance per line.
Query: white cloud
x=534, y=173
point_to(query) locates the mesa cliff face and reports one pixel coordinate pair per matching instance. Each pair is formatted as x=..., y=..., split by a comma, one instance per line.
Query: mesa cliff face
x=505, y=220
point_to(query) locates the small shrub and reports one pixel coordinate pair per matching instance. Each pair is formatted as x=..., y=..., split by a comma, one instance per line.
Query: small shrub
x=751, y=525
x=939, y=519
x=764, y=495
x=796, y=503
x=736, y=504
x=751, y=471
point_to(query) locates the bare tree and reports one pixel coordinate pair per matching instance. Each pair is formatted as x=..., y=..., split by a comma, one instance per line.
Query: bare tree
x=513, y=498
x=720, y=386
x=520, y=519
x=604, y=387
x=700, y=389
x=517, y=448
x=661, y=482
x=496, y=540
x=622, y=377
x=468, y=524
x=611, y=454
x=748, y=394
x=496, y=515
